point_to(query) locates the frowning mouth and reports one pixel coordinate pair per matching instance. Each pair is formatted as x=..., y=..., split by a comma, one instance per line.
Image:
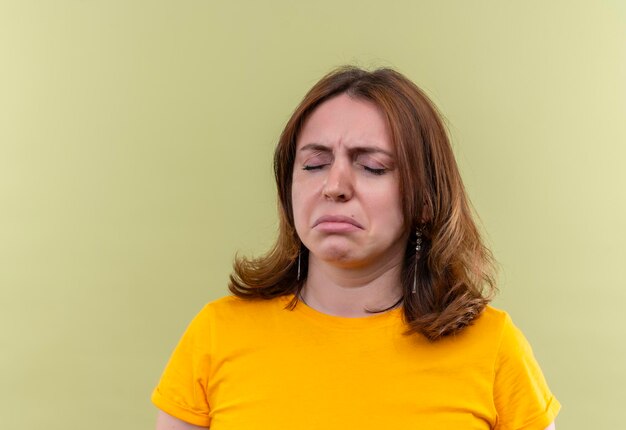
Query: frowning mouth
x=336, y=223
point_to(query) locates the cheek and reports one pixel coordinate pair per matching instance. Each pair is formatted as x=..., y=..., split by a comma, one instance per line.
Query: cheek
x=389, y=207
x=302, y=191
x=385, y=194
x=394, y=200
x=298, y=208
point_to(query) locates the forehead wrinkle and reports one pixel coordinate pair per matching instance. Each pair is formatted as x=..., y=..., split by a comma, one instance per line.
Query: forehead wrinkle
x=316, y=147
x=351, y=150
x=369, y=150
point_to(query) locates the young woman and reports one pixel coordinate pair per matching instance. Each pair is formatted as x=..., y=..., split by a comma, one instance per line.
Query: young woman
x=371, y=309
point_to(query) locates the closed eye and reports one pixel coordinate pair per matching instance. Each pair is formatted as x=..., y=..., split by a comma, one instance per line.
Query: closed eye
x=375, y=171
x=313, y=167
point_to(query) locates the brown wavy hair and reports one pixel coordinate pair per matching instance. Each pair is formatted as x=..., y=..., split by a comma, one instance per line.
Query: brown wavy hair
x=455, y=271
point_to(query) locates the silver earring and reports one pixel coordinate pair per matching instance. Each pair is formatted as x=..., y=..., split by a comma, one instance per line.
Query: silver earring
x=298, y=277
x=418, y=248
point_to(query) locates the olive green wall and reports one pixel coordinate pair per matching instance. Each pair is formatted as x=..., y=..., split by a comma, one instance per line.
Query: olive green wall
x=135, y=159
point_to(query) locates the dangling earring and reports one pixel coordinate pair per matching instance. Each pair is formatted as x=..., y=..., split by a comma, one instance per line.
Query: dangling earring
x=418, y=248
x=298, y=277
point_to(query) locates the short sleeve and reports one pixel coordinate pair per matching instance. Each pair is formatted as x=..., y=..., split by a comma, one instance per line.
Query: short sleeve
x=522, y=398
x=181, y=391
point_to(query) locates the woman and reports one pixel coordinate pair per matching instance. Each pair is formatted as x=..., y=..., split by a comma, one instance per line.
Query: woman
x=370, y=311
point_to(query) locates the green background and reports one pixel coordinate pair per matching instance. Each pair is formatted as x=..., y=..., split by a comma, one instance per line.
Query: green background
x=136, y=142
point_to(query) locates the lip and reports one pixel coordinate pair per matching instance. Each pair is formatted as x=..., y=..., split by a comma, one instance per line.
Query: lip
x=337, y=222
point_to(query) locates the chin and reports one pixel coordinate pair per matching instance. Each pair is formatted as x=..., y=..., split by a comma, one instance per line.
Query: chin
x=337, y=255
x=344, y=257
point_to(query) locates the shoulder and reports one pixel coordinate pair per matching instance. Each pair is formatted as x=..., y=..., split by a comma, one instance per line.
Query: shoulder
x=499, y=325
x=492, y=322
x=233, y=303
x=234, y=311
x=493, y=315
x=487, y=334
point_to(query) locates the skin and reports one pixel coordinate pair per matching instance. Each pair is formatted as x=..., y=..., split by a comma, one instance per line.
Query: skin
x=345, y=166
x=167, y=422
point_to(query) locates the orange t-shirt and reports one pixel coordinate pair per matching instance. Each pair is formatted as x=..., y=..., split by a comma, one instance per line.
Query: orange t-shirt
x=252, y=364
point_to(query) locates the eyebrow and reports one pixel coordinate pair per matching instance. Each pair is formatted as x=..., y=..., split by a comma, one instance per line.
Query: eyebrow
x=356, y=149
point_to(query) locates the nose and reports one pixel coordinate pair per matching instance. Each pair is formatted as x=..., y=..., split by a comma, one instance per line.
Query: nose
x=339, y=185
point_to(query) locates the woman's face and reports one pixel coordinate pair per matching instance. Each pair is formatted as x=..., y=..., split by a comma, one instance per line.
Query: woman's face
x=345, y=191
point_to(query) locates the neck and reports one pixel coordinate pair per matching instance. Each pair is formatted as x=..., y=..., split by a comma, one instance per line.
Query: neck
x=352, y=292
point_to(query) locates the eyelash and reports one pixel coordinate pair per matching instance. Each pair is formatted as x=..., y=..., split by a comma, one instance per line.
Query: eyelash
x=367, y=169
x=375, y=171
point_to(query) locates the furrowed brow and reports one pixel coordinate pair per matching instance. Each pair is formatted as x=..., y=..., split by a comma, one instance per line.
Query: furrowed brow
x=315, y=147
x=370, y=150
x=354, y=150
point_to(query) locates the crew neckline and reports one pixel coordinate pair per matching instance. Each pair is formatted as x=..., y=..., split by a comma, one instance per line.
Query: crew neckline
x=388, y=318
